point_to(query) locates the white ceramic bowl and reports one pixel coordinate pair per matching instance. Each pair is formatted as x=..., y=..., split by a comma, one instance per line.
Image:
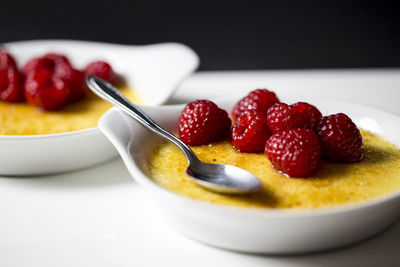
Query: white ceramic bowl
x=154, y=71
x=253, y=230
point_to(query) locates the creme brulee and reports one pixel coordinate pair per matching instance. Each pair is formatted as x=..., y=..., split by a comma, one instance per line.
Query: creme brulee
x=333, y=184
x=25, y=119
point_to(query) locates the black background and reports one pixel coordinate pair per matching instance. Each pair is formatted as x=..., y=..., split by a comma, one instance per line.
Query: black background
x=226, y=34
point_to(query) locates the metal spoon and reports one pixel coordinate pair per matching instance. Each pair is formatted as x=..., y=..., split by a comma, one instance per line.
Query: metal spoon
x=215, y=177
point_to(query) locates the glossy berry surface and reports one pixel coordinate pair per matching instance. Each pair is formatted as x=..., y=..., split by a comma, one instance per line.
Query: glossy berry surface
x=75, y=80
x=48, y=62
x=202, y=122
x=340, y=139
x=11, y=80
x=37, y=64
x=260, y=99
x=101, y=69
x=44, y=90
x=250, y=131
x=11, y=85
x=281, y=116
x=6, y=60
x=57, y=58
x=295, y=152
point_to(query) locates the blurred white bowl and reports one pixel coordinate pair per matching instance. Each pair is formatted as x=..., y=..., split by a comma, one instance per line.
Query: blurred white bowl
x=257, y=230
x=153, y=71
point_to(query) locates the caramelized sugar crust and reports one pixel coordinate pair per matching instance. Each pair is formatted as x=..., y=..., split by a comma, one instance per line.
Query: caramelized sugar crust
x=332, y=185
x=25, y=119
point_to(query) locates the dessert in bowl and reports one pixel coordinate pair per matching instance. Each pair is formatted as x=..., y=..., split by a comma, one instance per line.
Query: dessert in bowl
x=69, y=139
x=333, y=184
x=273, y=224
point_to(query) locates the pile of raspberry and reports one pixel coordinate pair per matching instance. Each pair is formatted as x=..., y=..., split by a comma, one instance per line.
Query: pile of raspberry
x=293, y=137
x=49, y=82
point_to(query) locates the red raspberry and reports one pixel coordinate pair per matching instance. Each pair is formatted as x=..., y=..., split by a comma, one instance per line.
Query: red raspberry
x=47, y=62
x=38, y=63
x=101, y=69
x=295, y=152
x=277, y=116
x=57, y=58
x=11, y=81
x=75, y=80
x=260, y=99
x=250, y=131
x=6, y=60
x=11, y=85
x=202, y=122
x=281, y=116
x=44, y=90
x=340, y=139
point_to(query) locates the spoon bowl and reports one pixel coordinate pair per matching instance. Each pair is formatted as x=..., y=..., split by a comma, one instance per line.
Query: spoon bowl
x=223, y=178
x=215, y=177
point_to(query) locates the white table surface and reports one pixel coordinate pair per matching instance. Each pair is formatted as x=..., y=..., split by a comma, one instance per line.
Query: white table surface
x=101, y=217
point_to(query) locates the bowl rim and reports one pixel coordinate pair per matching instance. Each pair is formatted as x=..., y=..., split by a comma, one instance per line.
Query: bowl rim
x=145, y=180
x=90, y=130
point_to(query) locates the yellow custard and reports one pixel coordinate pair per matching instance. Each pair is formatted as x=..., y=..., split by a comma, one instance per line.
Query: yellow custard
x=25, y=119
x=333, y=184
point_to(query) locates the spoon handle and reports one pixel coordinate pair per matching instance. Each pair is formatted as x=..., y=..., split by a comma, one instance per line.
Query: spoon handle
x=112, y=95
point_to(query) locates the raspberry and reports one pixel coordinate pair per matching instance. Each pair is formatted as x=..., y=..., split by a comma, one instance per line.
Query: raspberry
x=101, y=69
x=6, y=60
x=11, y=85
x=57, y=58
x=62, y=69
x=75, y=80
x=281, y=116
x=48, y=62
x=202, y=122
x=260, y=99
x=340, y=139
x=277, y=116
x=250, y=131
x=44, y=90
x=11, y=81
x=38, y=63
x=295, y=152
